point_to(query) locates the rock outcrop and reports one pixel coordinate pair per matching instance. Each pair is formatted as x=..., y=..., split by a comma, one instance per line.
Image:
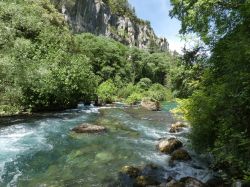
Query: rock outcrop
x=96, y=17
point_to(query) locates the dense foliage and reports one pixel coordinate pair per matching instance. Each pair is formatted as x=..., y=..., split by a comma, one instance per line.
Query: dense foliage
x=38, y=70
x=219, y=109
x=107, y=91
x=43, y=66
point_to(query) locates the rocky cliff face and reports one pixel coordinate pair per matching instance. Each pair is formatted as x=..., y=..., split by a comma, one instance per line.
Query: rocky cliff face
x=95, y=16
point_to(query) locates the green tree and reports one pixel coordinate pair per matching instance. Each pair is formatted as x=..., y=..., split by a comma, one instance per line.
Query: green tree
x=210, y=19
x=219, y=109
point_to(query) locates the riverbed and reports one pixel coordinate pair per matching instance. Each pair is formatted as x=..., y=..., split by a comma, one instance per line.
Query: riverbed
x=43, y=151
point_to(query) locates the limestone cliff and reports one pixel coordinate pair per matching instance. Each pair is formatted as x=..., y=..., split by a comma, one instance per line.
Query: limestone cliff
x=96, y=17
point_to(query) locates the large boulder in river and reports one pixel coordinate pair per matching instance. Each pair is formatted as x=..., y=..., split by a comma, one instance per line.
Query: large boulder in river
x=180, y=155
x=150, y=104
x=177, y=127
x=89, y=128
x=169, y=145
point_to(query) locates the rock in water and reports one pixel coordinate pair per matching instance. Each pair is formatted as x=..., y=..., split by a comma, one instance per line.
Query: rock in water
x=150, y=105
x=185, y=182
x=180, y=154
x=142, y=181
x=177, y=127
x=175, y=130
x=192, y=182
x=169, y=145
x=174, y=183
x=89, y=128
x=130, y=171
x=104, y=157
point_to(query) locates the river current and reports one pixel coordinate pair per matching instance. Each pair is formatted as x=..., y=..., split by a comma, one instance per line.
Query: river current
x=43, y=151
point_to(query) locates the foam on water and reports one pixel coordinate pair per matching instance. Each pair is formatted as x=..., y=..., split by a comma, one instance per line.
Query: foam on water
x=27, y=146
x=18, y=139
x=183, y=169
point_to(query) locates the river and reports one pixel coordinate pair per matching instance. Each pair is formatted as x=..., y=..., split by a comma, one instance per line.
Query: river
x=42, y=151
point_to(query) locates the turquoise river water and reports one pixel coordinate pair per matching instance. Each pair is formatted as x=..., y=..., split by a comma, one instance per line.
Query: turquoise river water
x=42, y=151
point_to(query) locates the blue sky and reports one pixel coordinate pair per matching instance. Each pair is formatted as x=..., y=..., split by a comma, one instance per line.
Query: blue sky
x=157, y=12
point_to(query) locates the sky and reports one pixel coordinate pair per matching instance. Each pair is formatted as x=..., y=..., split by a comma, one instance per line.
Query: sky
x=157, y=12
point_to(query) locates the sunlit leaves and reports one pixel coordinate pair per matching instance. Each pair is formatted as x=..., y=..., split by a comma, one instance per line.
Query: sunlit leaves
x=211, y=19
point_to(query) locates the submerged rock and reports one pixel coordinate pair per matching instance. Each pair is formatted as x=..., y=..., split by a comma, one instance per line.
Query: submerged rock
x=142, y=181
x=150, y=105
x=169, y=145
x=89, y=128
x=177, y=127
x=192, y=182
x=148, y=175
x=181, y=155
x=174, y=183
x=103, y=157
x=131, y=171
x=185, y=182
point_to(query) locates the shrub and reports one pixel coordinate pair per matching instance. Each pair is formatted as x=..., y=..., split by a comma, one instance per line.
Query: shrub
x=107, y=91
x=157, y=92
x=144, y=83
x=127, y=90
x=134, y=98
